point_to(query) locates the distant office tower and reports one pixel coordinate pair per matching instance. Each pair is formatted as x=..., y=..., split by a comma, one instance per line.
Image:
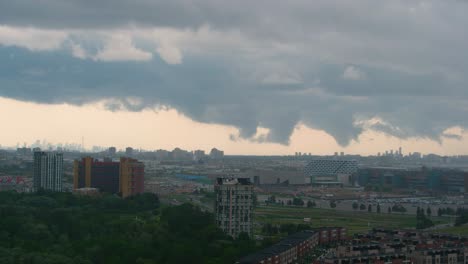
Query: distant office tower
x=198, y=154
x=24, y=151
x=216, y=154
x=234, y=205
x=48, y=171
x=180, y=154
x=129, y=151
x=125, y=177
x=112, y=151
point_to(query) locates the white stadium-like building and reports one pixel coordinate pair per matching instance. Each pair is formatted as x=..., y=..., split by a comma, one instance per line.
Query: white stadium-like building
x=330, y=172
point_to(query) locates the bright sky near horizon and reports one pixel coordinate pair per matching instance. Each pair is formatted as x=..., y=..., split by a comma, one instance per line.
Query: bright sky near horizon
x=168, y=129
x=248, y=77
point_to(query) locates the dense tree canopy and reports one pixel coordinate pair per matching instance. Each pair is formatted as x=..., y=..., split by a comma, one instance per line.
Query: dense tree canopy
x=65, y=228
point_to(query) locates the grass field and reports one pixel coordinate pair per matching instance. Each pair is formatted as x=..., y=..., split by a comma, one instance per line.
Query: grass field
x=456, y=230
x=356, y=222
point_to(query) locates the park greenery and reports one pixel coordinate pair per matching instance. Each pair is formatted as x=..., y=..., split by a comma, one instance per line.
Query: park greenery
x=446, y=211
x=423, y=221
x=398, y=208
x=57, y=228
x=277, y=215
x=297, y=201
x=311, y=204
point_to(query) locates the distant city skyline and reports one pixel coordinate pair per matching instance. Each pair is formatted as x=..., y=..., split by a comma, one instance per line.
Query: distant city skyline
x=168, y=129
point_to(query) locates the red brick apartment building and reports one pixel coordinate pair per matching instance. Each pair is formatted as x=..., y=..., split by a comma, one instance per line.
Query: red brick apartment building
x=295, y=247
x=125, y=177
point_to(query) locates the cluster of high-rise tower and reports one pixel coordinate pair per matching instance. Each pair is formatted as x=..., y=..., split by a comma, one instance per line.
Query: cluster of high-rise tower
x=125, y=177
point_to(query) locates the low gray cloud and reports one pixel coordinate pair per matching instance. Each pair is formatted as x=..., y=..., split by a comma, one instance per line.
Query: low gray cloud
x=330, y=65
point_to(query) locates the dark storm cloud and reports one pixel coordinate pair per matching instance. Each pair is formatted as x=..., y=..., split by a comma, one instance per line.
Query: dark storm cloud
x=208, y=92
x=331, y=65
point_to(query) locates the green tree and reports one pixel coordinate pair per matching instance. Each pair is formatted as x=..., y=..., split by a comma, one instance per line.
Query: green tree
x=428, y=211
x=422, y=221
x=272, y=199
x=355, y=206
x=398, y=208
x=462, y=216
x=47, y=227
x=378, y=208
x=298, y=201
x=369, y=208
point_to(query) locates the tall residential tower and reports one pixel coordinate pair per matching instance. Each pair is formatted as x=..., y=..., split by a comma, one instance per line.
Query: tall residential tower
x=234, y=205
x=48, y=171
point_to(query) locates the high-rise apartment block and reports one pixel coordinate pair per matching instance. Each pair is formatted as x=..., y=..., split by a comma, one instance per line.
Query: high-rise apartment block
x=198, y=154
x=125, y=177
x=48, y=171
x=112, y=151
x=91, y=173
x=129, y=151
x=131, y=177
x=216, y=153
x=234, y=205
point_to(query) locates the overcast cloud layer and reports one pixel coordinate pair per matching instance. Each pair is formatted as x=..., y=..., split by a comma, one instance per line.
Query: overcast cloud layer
x=399, y=67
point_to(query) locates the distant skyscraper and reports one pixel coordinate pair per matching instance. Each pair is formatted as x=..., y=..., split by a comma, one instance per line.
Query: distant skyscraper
x=48, y=171
x=218, y=154
x=129, y=151
x=112, y=151
x=198, y=154
x=180, y=154
x=234, y=205
x=24, y=151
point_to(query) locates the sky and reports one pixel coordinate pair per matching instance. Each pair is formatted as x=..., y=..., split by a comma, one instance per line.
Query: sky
x=249, y=77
